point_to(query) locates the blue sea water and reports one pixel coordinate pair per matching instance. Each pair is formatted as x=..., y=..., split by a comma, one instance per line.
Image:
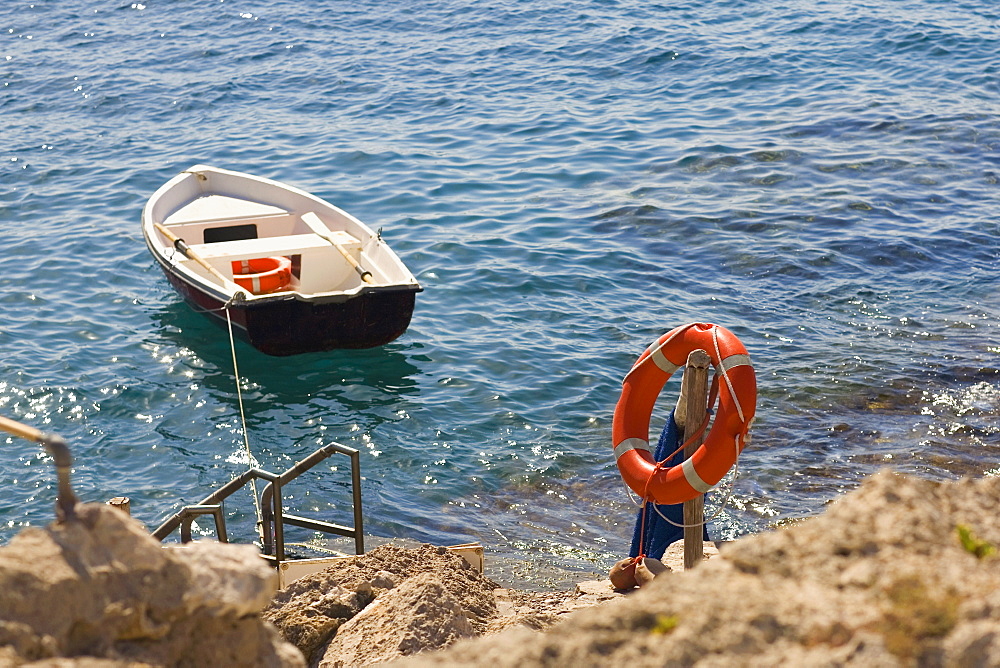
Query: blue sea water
x=568, y=181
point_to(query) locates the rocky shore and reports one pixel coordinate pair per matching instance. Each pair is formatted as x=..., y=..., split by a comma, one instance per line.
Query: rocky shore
x=901, y=572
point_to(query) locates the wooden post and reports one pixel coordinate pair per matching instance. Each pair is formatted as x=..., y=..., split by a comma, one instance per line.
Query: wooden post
x=122, y=503
x=692, y=405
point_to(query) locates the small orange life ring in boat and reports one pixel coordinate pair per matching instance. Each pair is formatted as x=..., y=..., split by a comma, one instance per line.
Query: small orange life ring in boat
x=262, y=275
x=725, y=441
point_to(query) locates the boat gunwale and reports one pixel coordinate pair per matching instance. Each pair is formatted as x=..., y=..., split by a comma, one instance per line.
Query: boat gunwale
x=183, y=271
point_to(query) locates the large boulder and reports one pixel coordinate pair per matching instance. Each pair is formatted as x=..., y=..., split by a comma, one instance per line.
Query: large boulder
x=101, y=587
x=419, y=615
x=310, y=619
x=315, y=610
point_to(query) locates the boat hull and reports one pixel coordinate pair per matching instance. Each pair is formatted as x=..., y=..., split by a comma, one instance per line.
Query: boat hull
x=291, y=325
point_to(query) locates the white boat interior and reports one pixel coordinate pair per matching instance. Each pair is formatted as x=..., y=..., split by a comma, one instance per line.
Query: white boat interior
x=223, y=227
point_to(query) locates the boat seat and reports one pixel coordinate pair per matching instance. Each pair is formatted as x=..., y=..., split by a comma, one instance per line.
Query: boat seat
x=245, y=249
x=321, y=266
x=218, y=230
x=216, y=208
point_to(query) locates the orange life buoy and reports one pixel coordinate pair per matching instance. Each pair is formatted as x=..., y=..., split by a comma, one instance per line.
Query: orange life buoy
x=642, y=385
x=263, y=274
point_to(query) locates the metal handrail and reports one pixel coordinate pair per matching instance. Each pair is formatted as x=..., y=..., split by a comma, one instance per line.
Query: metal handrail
x=192, y=512
x=215, y=498
x=273, y=517
x=65, y=500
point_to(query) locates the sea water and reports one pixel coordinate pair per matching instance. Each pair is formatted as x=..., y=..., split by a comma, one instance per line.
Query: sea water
x=568, y=181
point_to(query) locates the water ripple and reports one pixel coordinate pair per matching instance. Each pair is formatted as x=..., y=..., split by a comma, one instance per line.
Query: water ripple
x=568, y=182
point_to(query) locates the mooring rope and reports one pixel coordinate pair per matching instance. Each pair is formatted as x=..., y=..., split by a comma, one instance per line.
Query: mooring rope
x=243, y=420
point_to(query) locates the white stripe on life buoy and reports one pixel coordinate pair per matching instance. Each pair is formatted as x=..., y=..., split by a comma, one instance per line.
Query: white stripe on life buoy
x=692, y=477
x=632, y=444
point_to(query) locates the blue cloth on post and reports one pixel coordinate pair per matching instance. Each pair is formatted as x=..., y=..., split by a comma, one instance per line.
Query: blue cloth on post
x=659, y=533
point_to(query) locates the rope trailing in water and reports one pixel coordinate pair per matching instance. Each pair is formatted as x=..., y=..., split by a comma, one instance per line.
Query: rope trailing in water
x=243, y=420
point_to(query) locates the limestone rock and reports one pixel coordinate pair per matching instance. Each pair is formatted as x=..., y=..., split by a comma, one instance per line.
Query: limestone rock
x=312, y=610
x=384, y=580
x=418, y=615
x=102, y=587
x=597, y=590
x=900, y=572
x=227, y=579
x=673, y=558
x=310, y=619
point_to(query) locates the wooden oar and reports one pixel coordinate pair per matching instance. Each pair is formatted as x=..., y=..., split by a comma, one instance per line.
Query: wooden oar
x=180, y=245
x=66, y=501
x=319, y=229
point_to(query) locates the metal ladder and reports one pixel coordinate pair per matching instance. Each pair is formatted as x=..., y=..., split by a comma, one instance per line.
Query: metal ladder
x=274, y=519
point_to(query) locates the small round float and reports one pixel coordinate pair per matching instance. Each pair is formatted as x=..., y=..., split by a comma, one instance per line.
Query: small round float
x=262, y=275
